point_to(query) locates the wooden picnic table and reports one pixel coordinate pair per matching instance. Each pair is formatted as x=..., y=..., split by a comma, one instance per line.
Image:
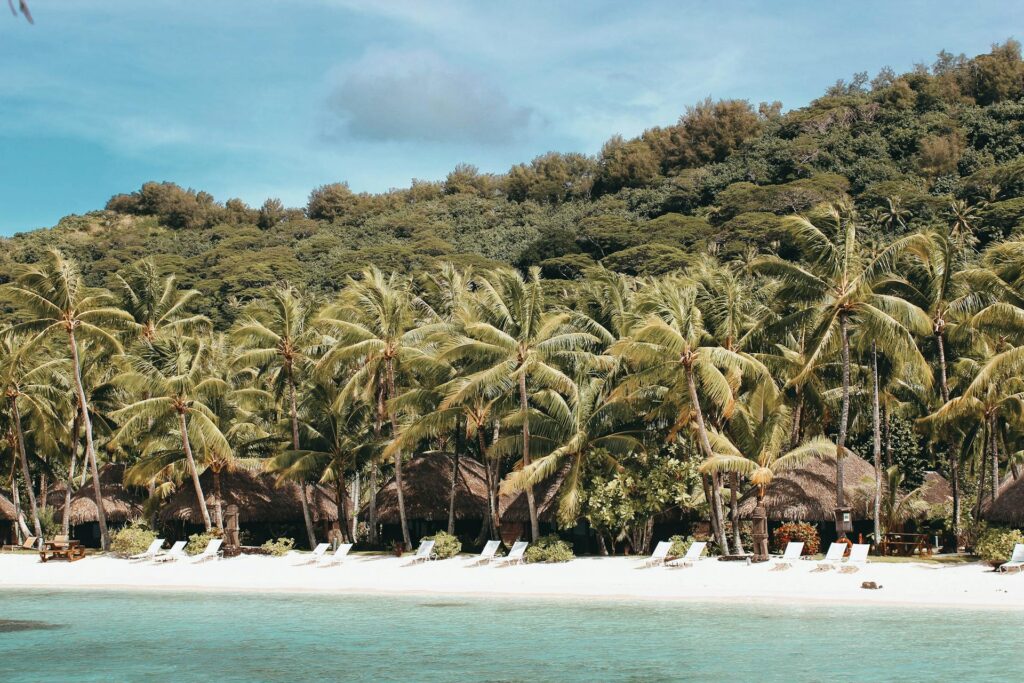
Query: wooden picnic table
x=906, y=545
x=62, y=550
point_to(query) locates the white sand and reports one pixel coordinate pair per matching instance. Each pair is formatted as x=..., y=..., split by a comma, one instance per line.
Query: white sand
x=972, y=585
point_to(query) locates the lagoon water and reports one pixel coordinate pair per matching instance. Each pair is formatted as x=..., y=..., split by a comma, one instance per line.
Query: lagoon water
x=164, y=636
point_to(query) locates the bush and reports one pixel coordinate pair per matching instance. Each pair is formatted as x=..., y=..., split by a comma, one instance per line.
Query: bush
x=445, y=545
x=996, y=545
x=549, y=549
x=197, y=542
x=47, y=520
x=278, y=546
x=797, y=531
x=132, y=539
x=680, y=544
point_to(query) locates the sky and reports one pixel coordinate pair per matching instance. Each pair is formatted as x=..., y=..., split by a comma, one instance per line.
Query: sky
x=273, y=98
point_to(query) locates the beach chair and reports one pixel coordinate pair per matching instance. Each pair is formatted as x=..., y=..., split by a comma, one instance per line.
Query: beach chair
x=337, y=557
x=486, y=555
x=1016, y=560
x=150, y=552
x=29, y=543
x=423, y=553
x=176, y=552
x=318, y=552
x=857, y=559
x=517, y=555
x=693, y=554
x=659, y=555
x=212, y=548
x=794, y=549
x=832, y=558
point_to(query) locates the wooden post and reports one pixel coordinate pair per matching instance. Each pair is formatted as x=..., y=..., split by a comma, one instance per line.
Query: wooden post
x=232, y=544
x=760, y=534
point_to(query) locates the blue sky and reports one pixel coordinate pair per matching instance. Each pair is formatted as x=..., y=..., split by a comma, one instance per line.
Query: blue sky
x=272, y=98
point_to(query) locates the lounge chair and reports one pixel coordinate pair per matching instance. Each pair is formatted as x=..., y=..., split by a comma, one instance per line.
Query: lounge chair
x=857, y=559
x=833, y=557
x=29, y=543
x=318, y=552
x=486, y=555
x=659, y=555
x=150, y=552
x=424, y=553
x=1016, y=560
x=212, y=548
x=517, y=555
x=693, y=554
x=794, y=549
x=337, y=557
x=176, y=552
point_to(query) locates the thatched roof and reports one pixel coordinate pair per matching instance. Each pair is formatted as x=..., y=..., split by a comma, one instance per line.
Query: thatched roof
x=257, y=494
x=120, y=503
x=426, y=482
x=808, y=493
x=1008, y=506
x=514, y=508
x=935, y=490
x=8, y=513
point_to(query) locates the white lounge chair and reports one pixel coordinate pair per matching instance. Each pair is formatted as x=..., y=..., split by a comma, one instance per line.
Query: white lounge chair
x=517, y=555
x=659, y=555
x=857, y=559
x=486, y=555
x=424, y=552
x=1016, y=560
x=337, y=557
x=177, y=552
x=832, y=558
x=318, y=552
x=794, y=549
x=212, y=548
x=693, y=554
x=150, y=552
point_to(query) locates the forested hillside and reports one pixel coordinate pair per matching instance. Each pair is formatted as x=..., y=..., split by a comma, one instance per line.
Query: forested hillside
x=938, y=145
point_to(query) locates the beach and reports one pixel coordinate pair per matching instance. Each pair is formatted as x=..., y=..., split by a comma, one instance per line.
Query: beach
x=971, y=585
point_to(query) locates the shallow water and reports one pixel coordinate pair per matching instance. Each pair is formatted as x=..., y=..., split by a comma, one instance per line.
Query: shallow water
x=158, y=636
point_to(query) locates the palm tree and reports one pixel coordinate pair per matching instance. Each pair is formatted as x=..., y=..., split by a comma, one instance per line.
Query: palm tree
x=155, y=303
x=278, y=335
x=53, y=293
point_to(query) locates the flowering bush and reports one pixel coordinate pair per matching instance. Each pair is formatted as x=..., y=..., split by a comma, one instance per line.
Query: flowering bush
x=797, y=531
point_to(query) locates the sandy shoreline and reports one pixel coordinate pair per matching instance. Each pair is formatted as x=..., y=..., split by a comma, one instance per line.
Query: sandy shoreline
x=903, y=584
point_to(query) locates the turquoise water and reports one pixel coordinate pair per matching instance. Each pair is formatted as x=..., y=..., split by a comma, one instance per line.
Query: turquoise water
x=156, y=636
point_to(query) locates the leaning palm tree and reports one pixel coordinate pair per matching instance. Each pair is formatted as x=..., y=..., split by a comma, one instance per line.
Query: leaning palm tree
x=278, y=335
x=173, y=373
x=56, y=299
x=155, y=302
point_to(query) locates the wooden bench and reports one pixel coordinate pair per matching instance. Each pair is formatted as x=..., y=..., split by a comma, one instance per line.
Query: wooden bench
x=62, y=550
x=907, y=545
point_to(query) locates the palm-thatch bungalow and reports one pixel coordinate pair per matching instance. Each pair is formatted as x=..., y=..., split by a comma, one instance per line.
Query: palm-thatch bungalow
x=426, y=482
x=514, y=511
x=266, y=509
x=1008, y=507
x=8, y=520
x=936, y=492
x=121, y=504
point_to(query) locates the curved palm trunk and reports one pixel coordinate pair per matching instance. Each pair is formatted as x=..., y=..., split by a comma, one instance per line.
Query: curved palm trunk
x=90, y=451
x=399, y=485
x=844, y=419
x=306, y=516
x=524, y=405
x=183, y=426
x=217, y=498
x=876, y=444
x=16, y=500
x=26, y=475
x=715, y=502
x=954, y=459
x=65, y=518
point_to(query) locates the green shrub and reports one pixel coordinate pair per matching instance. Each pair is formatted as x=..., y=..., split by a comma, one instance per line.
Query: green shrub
x=680, y=544
x=797, y=531
x=278, y=546
x=51, y=526
x=132, y=539
x=445, y=545
x=549, y=549
x=996, y=545
x=197, y=542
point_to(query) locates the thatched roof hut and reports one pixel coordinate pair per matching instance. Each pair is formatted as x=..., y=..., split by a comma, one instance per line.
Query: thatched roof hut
x=808, y=493
x=8, y=513
x=120, y=503
x=935, y=490
x=258, y=496
x=426, y=481
x=514, y=508
x=1008, y=507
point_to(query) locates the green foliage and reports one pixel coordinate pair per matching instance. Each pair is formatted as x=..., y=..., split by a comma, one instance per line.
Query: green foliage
x=197, y=542
x=797, y=531
x=549, y=549
x=49, y=522
x=680, y=544
x=132, y=539
x=996, y=545
x=445, y=545
x=279, y=546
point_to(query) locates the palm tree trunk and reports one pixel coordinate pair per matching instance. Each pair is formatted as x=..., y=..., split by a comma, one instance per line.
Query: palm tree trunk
x=16, y=500
x=399, y=485
x=492, y=497
x=524, y=405
x=216, y=498
x=717, y=513
x=995, y=457
x=26, y=475
x=187, y=446
x=356, y=497
x=982, y=467
x=455, y=475
x=844, y=418
x=734, y=512
x=90, y=452
x=877, y=445
x=65, y=517
x=954, y=459
x=794, y=434
x=310, y=532
x=346, y=527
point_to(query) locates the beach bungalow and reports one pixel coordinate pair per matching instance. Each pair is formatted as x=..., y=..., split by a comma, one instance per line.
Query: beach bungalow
x=121, y=504
x=8, y=521
x=514, y=511
x=1008, y=507
x=266, y=509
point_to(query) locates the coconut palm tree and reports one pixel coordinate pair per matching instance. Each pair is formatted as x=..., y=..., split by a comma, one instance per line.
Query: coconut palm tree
x=155, y=302
x=56, y=299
